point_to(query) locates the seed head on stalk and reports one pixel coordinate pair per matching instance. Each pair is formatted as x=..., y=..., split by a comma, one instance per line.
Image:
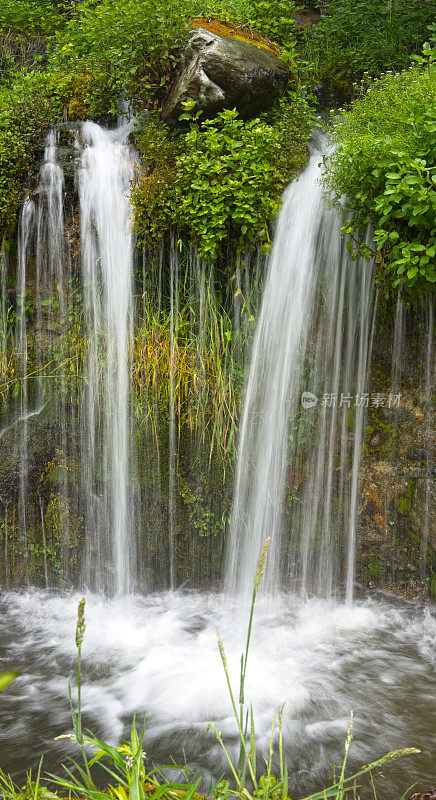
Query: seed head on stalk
x=261, y=564
x=80, y=627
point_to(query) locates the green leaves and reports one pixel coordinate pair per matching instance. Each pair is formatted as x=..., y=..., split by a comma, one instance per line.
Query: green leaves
x=226, y=179
x=6, y=678
x=360, y=38
x=274, y=20
x=220, y=181
x=29, y=102
x=384, y=162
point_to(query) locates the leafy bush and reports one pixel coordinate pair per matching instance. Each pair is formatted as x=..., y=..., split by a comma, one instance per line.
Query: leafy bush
x=31, y=103
x=357, y=36
x=30, y=16
x=384, y=163
x=227, y=179
x=131, y=42
x=273, y=19
x=224, y=178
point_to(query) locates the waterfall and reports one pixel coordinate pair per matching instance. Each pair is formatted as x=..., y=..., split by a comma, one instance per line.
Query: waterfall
x=24, y=239
x=174, y=310
x=90, y=425
x=312, y=292
x=121, y=492
x=107, y=168
x=430, y=383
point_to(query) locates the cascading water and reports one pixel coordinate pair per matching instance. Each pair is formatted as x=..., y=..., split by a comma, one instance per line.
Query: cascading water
x=157, y=653
x=174, y=307
x=429, y=387
x=107, y=168
x=25, y=231
x=312, y=291
x=92, y=425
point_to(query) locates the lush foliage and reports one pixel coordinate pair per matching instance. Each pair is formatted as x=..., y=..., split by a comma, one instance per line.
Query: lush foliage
x=31, y=16
x=385, y=164
x=358, y=36
x=28, y=105
x=273, y=19
x=130, y=42
x=135, y=44
x=92, y=52
x=222, y=181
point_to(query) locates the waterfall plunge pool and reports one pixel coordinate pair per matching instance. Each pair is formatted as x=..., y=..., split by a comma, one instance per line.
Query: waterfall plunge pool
x=157, y=655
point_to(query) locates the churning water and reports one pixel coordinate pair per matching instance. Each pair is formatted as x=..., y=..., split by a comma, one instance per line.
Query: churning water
x=158, y=656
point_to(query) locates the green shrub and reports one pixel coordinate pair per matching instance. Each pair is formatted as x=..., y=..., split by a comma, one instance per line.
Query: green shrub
x=385, y=164
x=32, y=102
x=223, y=179
x=357, y=36
x=30, y=16
x=273, y=19
x=227, y=180
x=24, y=26
x=131, y=42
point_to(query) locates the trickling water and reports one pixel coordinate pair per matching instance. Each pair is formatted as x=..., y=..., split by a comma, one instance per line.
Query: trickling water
x=430, y=384
x=312, y=290
x=24, y=235
x=174, y=308
x=398, y=346
x=3, y=296
x=107, y=169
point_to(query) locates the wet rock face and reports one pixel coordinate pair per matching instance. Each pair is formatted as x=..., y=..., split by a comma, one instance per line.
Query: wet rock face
x=423, y=510
x=220, y=72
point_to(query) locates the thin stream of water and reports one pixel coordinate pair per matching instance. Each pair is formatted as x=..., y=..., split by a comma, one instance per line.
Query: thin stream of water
x=107, y=168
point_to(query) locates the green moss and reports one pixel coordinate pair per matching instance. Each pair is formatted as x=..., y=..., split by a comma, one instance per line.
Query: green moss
x=405, y=502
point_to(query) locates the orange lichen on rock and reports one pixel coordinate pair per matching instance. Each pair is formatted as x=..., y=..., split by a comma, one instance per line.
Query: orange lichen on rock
x=235, y=31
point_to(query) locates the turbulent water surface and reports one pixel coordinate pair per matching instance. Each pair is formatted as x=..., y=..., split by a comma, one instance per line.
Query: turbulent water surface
x=158, y=656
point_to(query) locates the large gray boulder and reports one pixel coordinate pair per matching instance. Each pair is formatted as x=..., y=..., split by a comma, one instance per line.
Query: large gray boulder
x=222, y=72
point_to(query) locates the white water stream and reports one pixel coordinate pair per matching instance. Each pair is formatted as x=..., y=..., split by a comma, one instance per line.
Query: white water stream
x=107, y=168
x=313, y=292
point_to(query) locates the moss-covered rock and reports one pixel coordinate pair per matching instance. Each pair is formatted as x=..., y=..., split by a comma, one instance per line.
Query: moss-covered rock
x=224, y=70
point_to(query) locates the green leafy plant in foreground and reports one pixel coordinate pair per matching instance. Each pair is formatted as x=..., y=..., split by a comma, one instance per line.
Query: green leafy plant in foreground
x=6, y=678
